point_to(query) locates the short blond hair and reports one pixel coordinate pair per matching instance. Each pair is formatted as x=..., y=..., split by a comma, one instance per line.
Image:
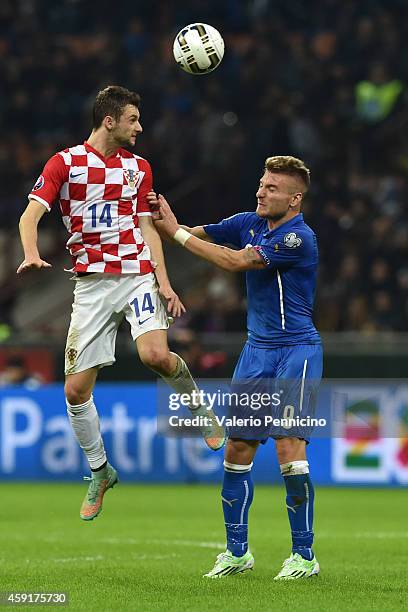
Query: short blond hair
x=292, y=166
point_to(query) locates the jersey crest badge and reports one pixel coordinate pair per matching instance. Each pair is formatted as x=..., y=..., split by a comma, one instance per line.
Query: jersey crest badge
x=71, y=355
x=131, y=177
x=38, y=183
x=292, y=241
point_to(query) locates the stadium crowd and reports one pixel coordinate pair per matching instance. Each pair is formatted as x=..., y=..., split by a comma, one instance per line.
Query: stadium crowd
x=324, y=80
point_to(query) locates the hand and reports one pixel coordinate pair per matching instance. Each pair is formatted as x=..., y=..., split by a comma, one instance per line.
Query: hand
x=154, y=205
x=168, y=223
x=174, y=305
x=32, y=264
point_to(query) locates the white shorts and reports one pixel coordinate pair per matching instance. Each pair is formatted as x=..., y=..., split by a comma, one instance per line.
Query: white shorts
x=100, y=303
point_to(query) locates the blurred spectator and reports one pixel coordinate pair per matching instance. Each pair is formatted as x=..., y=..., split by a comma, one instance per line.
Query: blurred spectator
x=221, y=308
x=377, y=96
x=377, y=106
x=384, y=317
x=325, y=80
x=206, y=364
x=15, y=372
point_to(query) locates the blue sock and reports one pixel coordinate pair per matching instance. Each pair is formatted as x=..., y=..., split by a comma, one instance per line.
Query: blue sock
x=237, y=495
x=299, y=503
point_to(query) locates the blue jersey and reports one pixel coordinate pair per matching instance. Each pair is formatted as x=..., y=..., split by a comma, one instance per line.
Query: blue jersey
x=280, y=297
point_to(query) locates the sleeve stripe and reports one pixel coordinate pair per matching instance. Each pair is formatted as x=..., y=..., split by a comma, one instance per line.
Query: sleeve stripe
x=281, y=303
x=40, y=200
x=144, y=214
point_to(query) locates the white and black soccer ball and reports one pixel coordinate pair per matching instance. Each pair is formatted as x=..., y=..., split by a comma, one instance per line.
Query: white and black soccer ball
x=198, y=48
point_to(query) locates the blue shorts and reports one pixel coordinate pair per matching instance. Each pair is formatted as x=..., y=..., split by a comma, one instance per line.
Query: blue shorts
x=289, y=376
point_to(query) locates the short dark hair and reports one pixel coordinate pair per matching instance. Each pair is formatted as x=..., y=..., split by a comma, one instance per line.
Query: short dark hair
x=111, y=101
x=292, y=166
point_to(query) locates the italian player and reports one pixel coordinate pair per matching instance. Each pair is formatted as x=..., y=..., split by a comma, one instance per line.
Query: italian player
x=279, y=253
x=118, y=267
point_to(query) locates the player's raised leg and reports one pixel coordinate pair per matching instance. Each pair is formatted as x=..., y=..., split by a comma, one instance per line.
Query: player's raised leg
x=155, y=354
x=299, y=503
x=84, y=419
x=237, y=495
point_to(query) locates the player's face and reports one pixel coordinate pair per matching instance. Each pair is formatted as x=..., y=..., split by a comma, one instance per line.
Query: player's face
x=276, y=195
x=125, y=130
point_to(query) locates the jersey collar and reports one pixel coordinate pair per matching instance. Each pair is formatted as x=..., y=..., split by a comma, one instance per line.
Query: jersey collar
x=89, y=148
x=285, y=226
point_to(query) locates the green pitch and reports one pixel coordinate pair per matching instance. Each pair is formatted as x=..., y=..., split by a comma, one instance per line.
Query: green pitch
x=151, y=545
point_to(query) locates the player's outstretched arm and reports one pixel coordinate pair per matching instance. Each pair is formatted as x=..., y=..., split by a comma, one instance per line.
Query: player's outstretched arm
x=28, y=233
x=223, y=257
x=198, y=231
x=174, y=305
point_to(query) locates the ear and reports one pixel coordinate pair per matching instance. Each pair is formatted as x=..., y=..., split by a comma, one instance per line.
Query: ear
x=296, y=199
x=109, y=122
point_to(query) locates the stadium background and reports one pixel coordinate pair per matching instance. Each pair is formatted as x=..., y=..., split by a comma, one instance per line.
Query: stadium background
x=324, y=80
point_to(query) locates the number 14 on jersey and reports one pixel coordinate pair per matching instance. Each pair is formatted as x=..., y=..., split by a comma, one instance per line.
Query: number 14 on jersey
x=104, y=217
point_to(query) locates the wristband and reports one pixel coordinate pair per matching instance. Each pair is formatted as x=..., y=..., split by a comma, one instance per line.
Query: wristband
x=182, y=236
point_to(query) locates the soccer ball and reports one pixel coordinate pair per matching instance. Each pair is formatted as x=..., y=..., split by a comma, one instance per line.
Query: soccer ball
x=198, y=48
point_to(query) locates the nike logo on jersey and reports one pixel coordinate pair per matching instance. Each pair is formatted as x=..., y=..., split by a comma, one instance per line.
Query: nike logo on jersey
x=75, y=175
x=251, y=231
x=144, y=320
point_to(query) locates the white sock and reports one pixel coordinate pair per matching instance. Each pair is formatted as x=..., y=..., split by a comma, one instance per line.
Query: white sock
x=182, y=382
x=85, y=423
x=294, y=468
x=236, y=468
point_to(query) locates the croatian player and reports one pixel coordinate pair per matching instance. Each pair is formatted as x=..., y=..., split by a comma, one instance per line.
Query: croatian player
x=279, y=253
x=119, y=271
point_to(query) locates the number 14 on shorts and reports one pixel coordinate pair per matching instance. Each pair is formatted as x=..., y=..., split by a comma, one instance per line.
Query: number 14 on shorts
x=143, y=305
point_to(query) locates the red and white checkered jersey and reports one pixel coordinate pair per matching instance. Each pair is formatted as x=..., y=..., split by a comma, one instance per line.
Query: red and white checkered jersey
x=100, y=200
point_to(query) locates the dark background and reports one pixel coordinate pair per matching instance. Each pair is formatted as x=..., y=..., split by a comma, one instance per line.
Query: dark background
x=324, y=80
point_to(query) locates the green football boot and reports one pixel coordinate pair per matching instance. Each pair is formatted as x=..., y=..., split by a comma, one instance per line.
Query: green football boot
x=100, y=482
x=297, y=567
x=227, y=565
